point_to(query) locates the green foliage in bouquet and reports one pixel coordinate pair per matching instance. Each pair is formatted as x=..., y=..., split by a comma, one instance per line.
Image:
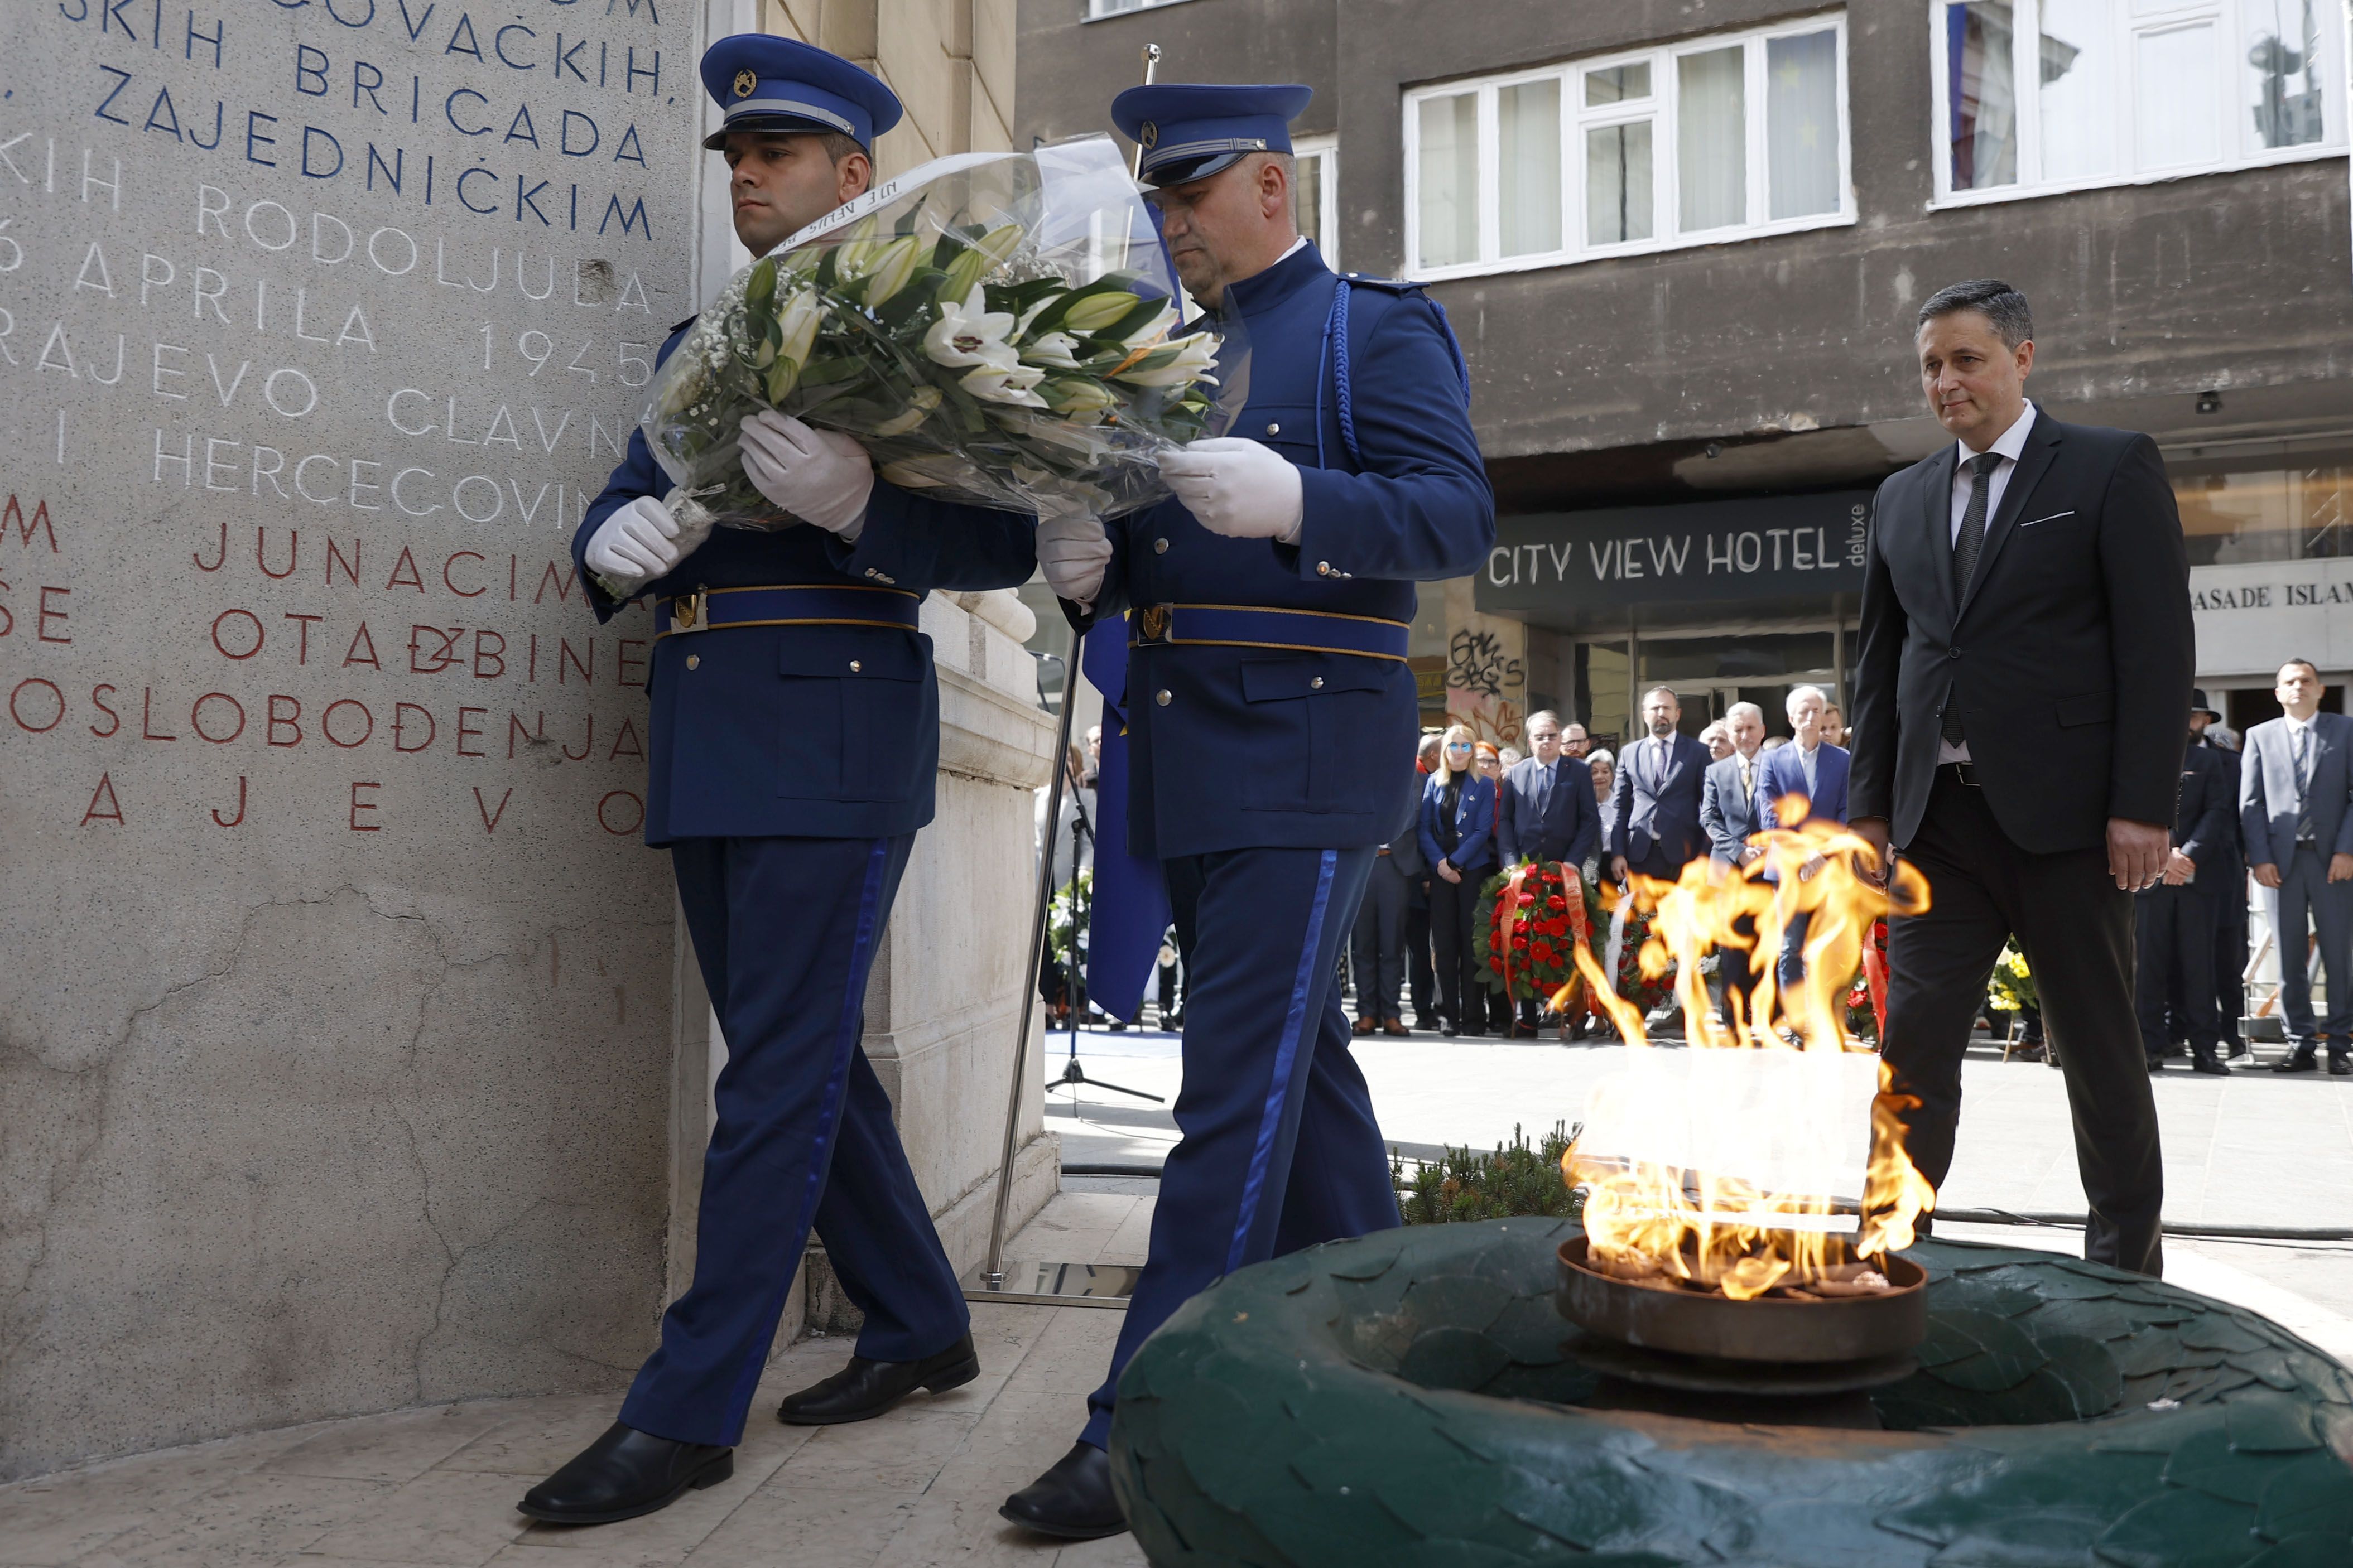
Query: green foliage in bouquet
x=1462, y=1187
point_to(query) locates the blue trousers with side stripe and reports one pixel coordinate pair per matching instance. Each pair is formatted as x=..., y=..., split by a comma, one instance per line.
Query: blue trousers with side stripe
x=1278, y=1148
x=785, y=930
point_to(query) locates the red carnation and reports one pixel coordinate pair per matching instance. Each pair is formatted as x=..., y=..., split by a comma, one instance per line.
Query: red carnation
x=1556, y=902
x=1496, y=964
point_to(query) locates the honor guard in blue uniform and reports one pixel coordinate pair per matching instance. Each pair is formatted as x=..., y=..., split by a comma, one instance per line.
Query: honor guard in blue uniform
x=793, y=739
x=1271, y=713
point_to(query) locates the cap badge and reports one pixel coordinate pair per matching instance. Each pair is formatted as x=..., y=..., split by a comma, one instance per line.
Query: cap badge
x=1149, y=134
x=746, y=83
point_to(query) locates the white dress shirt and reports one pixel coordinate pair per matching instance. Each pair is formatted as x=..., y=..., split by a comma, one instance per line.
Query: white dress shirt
x=2011, y=442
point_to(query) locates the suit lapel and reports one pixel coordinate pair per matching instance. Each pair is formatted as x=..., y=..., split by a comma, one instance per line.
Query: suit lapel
x=2033, y=464
x=1937, y=514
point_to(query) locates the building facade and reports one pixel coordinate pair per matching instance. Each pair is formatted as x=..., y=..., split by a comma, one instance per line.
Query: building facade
x=1683, y=247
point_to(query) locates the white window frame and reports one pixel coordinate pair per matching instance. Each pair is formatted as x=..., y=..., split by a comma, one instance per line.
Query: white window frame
x=1324, y=152
x=1097, y=11
x=1661, y=110
x=2128, y=22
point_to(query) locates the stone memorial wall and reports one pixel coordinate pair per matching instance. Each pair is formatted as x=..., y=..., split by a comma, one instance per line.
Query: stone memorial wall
x=336, y=1013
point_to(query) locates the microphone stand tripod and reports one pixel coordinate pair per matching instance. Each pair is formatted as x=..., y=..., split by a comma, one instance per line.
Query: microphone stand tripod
x=1073, y=1073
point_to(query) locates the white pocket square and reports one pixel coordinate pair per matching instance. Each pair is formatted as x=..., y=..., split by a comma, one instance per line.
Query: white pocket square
x=2053, y=517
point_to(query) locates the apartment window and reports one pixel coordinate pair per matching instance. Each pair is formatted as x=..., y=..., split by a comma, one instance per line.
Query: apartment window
x=2051, y=95
x=1723, y=137
x=1316, y=191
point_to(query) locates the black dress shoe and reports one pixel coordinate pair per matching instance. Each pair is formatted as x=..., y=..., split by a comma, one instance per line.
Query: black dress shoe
x=623, y=1474
x=1072, y=1501
x=2209, y=1063
x=2302, y=1061
x=1449, y=1030
x=865, y=1389
x=2338, y=1067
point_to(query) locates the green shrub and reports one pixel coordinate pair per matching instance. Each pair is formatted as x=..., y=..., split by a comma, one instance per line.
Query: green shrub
x=1461, y=1187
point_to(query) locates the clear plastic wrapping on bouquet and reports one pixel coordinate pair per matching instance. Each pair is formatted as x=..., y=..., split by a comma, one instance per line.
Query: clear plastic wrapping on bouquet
x=998, y=328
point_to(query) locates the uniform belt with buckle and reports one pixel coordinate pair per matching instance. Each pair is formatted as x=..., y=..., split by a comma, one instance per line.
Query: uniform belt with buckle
x=787, y=605
x=1963, y=773
x=1246, y=625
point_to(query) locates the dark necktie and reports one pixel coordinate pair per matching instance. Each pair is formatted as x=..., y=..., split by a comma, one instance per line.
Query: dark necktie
x=1966, y=548
x=2304, y=831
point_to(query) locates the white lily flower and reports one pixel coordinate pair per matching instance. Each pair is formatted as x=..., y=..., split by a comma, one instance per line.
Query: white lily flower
x=891, y=270
x=1178, y=364
x=999, y=244
x=1096, y=312
x=1005, y=383
x=1055, y=348
x=1079, y=399
x=969, y=334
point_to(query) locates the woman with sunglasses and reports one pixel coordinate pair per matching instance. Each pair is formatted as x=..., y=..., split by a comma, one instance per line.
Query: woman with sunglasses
x=1457, y=842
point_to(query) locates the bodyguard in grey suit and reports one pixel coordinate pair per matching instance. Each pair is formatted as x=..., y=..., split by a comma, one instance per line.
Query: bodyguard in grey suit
x=2296, y=813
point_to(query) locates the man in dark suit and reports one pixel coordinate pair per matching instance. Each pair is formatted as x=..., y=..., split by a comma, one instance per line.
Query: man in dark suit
x=2021, y=696
x=1654, y=827
x=1727, y=813
x=2226, y=880
x=1378, y=946
x=2295, y=813
x=2173, y=922
x=1549, y=813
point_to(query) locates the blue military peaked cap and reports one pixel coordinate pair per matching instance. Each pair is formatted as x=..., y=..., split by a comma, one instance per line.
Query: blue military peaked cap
x=781, y=85
x=1189, y=130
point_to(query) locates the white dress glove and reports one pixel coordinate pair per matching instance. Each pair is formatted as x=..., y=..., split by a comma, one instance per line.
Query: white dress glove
x=638, y=543
x=1237, y=487
x=1074, y=552
x=821, y=477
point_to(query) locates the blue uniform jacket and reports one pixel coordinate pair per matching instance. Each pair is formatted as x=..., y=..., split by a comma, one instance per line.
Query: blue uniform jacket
x=1474, y=825
x=1242, y=747
x=803, y=731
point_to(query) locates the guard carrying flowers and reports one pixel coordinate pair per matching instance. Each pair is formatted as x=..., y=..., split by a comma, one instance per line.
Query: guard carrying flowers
x=794, y=742
x=1271, y=711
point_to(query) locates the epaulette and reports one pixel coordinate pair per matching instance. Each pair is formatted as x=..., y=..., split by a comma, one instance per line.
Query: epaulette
x=1388, y=285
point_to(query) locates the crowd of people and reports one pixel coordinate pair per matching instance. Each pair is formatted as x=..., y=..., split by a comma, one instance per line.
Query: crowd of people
x=2280, y=814
x=1669, y=799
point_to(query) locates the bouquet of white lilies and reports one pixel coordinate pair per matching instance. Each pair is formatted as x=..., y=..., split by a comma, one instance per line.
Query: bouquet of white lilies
x=996, y=328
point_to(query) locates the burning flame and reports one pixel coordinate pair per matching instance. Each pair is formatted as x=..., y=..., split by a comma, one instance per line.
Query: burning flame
x=1678, y=1228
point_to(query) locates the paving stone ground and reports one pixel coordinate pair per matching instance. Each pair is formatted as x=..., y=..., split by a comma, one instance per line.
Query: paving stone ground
x=915, y=1488
x=921, y=1486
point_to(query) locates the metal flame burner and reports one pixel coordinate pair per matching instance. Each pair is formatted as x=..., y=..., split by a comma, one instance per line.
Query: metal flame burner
x=1782, y=1362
